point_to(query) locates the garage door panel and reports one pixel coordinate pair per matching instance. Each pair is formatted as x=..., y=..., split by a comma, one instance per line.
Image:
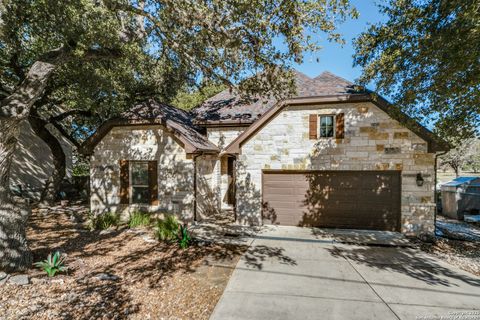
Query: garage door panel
x=344, y=199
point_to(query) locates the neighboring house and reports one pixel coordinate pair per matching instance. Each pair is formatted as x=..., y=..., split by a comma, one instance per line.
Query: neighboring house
x=332, y=156
x=32, y=162
x=461, y=196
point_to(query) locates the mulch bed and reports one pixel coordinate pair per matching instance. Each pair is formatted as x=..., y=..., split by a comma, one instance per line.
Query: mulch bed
x=463, y=254
x=155, y=280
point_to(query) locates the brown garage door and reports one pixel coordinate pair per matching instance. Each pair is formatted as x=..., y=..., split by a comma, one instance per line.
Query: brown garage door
x=333, y=199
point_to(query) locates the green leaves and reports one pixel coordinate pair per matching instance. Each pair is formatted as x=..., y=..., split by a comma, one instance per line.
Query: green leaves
x=167, y=229
x=426, y=57
x=138, y=219
x=184, y=238
x=53, y=264
x=104, y=221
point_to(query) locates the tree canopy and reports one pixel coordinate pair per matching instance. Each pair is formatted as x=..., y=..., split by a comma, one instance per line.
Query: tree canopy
x=188, y=98
x=426, y=57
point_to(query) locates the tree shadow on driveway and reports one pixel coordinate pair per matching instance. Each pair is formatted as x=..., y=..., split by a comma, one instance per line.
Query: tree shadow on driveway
x=405, y=261
x=256, y=255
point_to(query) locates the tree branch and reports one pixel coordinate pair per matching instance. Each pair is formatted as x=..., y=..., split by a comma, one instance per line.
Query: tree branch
x=62, y=116
x=19, y=103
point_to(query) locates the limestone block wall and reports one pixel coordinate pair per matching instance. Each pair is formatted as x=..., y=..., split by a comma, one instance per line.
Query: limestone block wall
x=208, y=186
x=373, y=141
x=32, y=162
x=142, y=143
x=222, y=137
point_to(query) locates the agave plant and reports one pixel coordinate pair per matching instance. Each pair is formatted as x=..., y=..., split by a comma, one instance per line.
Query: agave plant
x=52, y=264
x=184, y=238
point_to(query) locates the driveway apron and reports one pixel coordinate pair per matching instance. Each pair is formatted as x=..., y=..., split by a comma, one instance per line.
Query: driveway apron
x=293, y=273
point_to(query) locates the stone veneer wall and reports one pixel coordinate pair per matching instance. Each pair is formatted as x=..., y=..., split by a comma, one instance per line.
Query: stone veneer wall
x=222, y=137
x=32, y=162
x=373, y=141
x=142, y=143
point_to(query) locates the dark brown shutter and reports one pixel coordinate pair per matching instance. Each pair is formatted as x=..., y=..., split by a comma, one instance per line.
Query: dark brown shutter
x=312, y=126
x=340, y=126
x=124, y=182
x=153, y=182
x=223, y=165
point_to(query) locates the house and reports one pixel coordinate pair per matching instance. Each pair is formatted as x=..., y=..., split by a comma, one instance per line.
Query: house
x=32, y=162
x=461, y=196
x=332, y=156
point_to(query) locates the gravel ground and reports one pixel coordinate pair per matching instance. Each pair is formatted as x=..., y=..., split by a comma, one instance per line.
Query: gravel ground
x=458, y=243
x=145, y=279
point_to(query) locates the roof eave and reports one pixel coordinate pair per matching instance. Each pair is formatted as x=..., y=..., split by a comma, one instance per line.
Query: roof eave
x=88, y=146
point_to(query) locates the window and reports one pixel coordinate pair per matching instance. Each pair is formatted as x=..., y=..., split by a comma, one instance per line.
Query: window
x=139, y=182
x=327, y=127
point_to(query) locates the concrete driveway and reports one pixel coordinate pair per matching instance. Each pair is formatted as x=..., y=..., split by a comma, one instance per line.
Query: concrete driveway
x=294, y=273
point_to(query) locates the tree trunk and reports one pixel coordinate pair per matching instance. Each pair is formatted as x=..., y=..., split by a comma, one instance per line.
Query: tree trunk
x=455, y=168
x=52, y=186
x=14, y=251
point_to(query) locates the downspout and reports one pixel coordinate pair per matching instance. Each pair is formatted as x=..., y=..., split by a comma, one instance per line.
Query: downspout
x=435, y=192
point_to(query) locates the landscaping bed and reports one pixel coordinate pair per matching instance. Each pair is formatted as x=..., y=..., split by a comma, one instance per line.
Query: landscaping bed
x=457, y=243
x=118, y=273
x=463, y=254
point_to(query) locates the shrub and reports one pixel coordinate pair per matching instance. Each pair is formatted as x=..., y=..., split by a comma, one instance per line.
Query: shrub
x=184, y=238
x=139, y=218
x=104, y=221
x=167, y=228
x=52, y=264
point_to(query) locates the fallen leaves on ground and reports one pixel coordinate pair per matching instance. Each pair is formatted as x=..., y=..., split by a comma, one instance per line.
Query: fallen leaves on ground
x=463, y=254
x=155, y=280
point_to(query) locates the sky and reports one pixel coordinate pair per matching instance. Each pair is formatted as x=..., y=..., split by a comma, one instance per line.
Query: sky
x=336, y=58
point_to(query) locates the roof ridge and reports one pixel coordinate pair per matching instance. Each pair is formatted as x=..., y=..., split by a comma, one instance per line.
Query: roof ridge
x=327, y=73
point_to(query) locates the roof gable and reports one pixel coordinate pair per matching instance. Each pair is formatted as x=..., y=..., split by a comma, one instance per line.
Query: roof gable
x=435, y=144
x=176, y=121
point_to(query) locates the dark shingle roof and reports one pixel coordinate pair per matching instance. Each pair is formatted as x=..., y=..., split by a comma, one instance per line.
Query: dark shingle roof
x=226, y=106
x=176, y=121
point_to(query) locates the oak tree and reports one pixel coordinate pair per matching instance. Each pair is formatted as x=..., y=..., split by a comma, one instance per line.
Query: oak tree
x=426, y=57
x=44, y=42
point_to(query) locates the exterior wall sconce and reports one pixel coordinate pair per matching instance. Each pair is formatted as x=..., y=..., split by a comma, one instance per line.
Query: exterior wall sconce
x=419, y=180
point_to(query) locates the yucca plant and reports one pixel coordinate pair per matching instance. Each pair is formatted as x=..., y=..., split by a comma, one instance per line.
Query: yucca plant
x=139, y=218
x=167, y=228
x=184, y=238
x=52, y=264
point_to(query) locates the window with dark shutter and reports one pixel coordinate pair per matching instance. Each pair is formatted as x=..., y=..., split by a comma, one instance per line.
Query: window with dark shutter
x=340, y=126
x=312, y=125
x=124, y=181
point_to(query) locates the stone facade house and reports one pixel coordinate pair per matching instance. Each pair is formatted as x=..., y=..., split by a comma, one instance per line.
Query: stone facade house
x=332, y=156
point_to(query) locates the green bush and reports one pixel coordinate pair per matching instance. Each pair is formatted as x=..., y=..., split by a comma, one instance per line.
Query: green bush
x=139, y=218
x=104, y=221
x=52, y=264
x=81, y=170
x=184, y=238
x=167, y=228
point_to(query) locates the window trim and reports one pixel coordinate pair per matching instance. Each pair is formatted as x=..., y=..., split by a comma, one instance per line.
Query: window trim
x=130, y=182
x=334, y=125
